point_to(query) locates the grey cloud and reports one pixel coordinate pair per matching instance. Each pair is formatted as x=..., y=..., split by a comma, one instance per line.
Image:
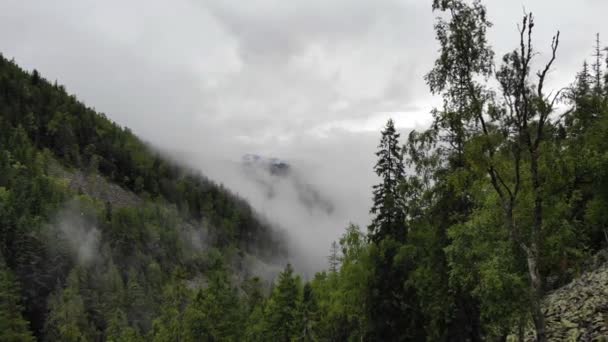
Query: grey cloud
x=283, y=29
x=310, y=81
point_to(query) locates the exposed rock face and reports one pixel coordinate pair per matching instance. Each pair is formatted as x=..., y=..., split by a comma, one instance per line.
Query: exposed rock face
x=95, y=186
x=579, y=310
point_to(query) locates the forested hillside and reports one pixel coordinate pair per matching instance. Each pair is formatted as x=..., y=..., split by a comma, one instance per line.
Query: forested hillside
x=476, y=221
x=77, y=265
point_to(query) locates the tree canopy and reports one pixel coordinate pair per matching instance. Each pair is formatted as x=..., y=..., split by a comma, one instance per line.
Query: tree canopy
x=474, y=219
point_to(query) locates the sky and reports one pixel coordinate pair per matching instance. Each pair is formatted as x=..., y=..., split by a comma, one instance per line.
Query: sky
x=308, y=81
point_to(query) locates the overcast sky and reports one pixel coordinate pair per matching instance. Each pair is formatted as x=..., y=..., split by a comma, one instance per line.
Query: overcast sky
x=310, y=81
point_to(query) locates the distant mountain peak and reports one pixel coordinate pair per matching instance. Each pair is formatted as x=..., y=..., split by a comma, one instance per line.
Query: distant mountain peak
x=276, y=170
x=275, y=166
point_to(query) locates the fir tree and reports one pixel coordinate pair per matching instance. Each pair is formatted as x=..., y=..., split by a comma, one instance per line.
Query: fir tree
x=597, y=67
x=582, y=86
x=309, y=314
x=118, y=329
x=583, y=103
x=13, y=328
x=282, y=314
x=170, y=323
x=391, y=308
x=334, y=257
x=606, y=75
x=68, y=319
x=389, y=217
x=221, y=317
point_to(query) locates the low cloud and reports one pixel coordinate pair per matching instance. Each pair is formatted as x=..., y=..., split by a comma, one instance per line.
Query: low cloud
x=76, y=225
x=311, y=82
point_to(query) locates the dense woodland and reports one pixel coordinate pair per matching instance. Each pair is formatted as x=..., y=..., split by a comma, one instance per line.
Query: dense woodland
x=500, y=201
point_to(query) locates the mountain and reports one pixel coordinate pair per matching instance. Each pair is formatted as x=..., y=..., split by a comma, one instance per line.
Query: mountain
x=100, y=234
x=274, y=175
x=482, y=224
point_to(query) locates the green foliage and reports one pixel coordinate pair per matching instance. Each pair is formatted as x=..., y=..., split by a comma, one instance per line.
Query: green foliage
x=309, y=314
x=181, y=223
x=282, y=321
x=48, y=117
x=169, y=324
x=216, y=311
x=68, y=319
x=13, y=327
x=387, y=209
x=118, y=329
x=493, y=213
x=340, y=296
x=503, y=199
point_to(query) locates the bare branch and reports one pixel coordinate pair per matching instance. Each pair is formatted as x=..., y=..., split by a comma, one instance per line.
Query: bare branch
x=557, y=95
x=543, y=74
x=545, y=110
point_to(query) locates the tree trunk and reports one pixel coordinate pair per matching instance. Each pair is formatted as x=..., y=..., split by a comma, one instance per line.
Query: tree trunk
x=536, y=292
x=536, y=281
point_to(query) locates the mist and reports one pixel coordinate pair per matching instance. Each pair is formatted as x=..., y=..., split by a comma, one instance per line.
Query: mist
x=309, y=82
x=339, y=166
x=75, y=226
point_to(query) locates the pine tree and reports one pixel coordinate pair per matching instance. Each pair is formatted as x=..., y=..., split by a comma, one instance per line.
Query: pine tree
x=170, y=323
x=388, y=208
x=309, y=314
x=113, y=295
x=216, y=311
x=138, y=308
x=68, y=319
x=254, y=293
x=118, y=329
x=255, y=326
x=606, y=74
x=582, y=86
x=13, y=328
x=282, y=311
x=334, y=257
x=392, y=307
x=597, y=67
x=582, y=98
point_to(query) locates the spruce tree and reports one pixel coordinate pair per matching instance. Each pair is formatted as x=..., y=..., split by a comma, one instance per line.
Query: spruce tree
x=309, y=309
x=597, y=67
x=282, y=316
x=222, y=316
x=12, y=325
x=334, y=257
x=583, y=101
x=171, y=323
x=68, y=319
x=392, y=306
x=582, y=85
x=388, y=208
x=118, y=329
x=606, y=74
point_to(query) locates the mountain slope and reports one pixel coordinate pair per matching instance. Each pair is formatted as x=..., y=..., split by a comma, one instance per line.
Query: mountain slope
x=97, y=231
x=81, y=138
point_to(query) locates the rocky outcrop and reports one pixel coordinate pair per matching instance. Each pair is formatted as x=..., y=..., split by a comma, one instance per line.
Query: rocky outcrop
x=94, y=186
x=579, y=310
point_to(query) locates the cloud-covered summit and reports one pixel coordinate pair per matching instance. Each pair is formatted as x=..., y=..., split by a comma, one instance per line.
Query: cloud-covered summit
x=311, y=81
